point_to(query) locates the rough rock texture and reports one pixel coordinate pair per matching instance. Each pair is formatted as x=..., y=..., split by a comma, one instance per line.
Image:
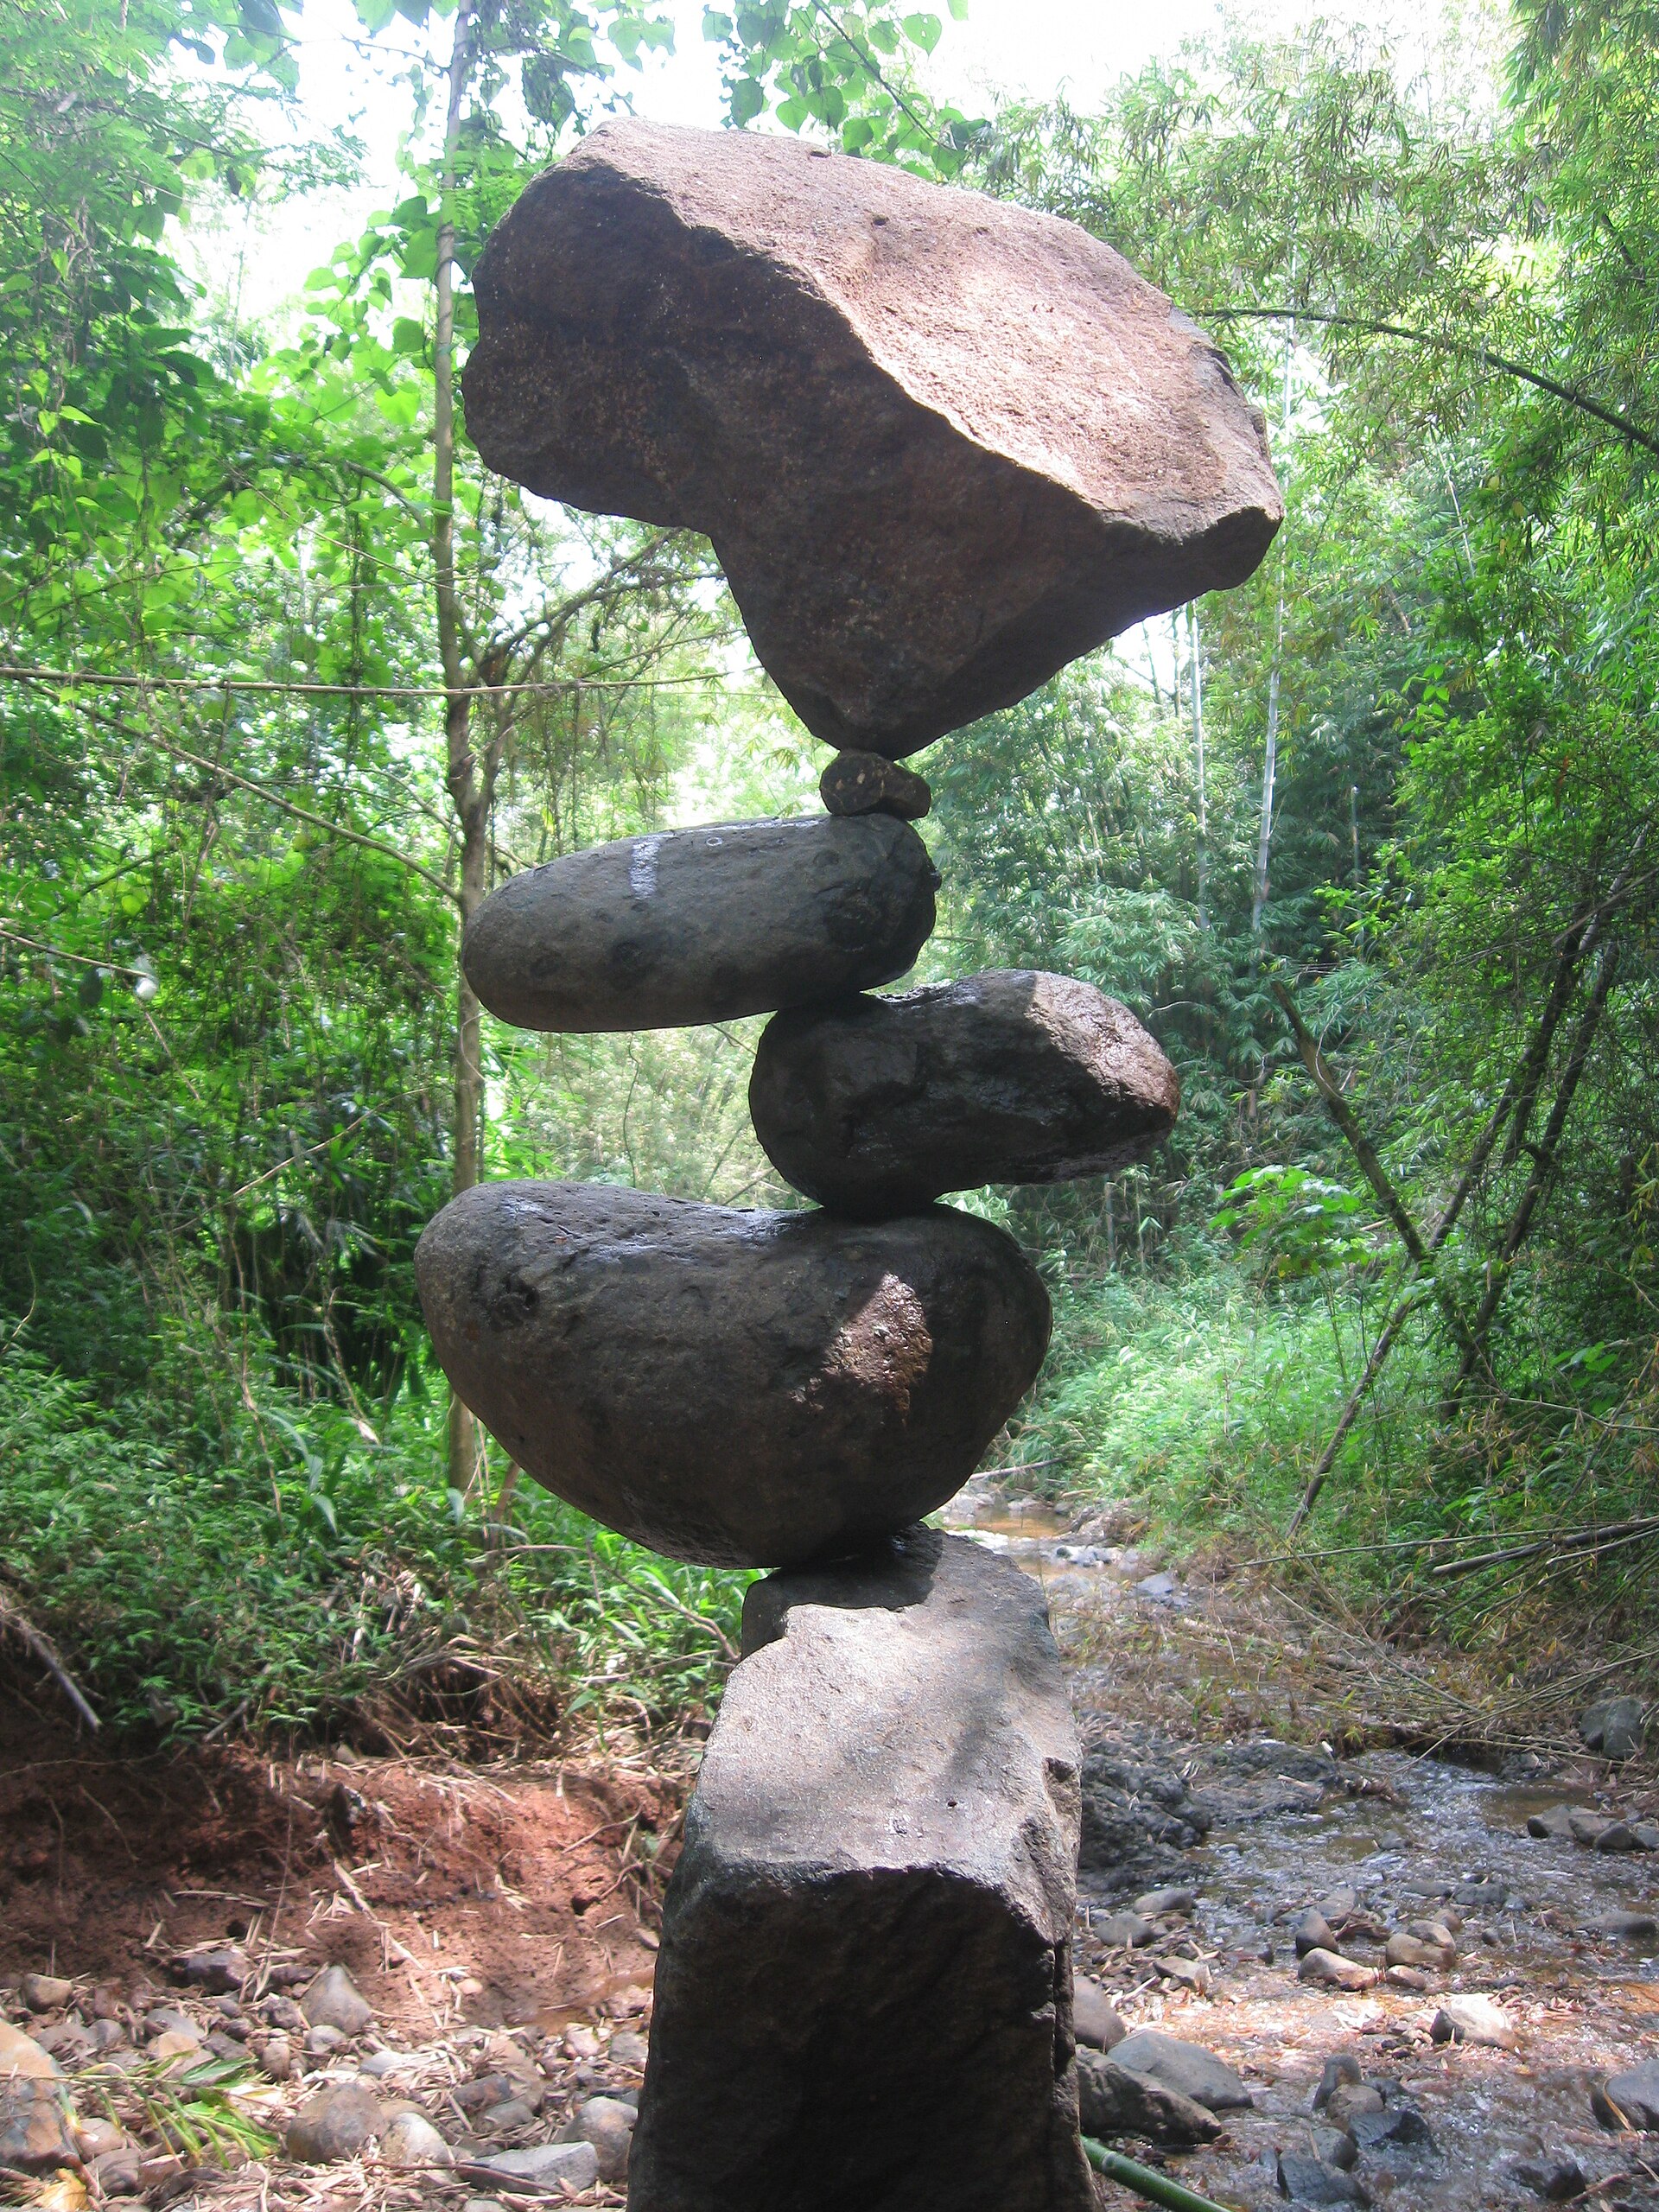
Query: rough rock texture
x=1095, y=2018
x=1186, y=2067
x=333, y=2000
x=548, y=2166
x=335, y=2124
x=703, y=924
x=1116, y=2099
x=1473, y=2019
x=943, y=445
x=864, y=1995
x=1616, y=1727
x=1630, y=2099
x=878, y=1105
x=752, y=1389
x=868, y=783
x=34, y=2134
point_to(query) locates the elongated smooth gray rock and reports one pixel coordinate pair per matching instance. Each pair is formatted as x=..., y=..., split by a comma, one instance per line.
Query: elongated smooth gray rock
x=863, y=1993
x=703, y=924
x=878, y=1105
x=941, y=445
x=752, y=1389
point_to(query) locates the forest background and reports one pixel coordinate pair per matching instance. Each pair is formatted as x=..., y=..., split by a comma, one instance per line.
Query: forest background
x=289, y=682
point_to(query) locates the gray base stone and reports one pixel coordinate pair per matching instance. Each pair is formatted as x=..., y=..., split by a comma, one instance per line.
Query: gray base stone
x=752, y=1389
x=863, y=1993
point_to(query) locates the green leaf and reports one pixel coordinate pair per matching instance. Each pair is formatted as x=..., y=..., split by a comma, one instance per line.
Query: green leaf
x=717, y=28
x=748, y=101
x=925, y=31
x=958, y=11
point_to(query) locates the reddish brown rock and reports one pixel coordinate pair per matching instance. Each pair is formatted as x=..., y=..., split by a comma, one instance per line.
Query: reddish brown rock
x=752, y=1389
x=878, y=1105
x=942, y=444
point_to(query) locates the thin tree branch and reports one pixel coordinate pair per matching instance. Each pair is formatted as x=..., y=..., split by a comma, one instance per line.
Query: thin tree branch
x=1463, y=347
x=16, y=1622
x=1546, y=1159
x=1351, y=1411
x=1374, y=1173
x=271, y=798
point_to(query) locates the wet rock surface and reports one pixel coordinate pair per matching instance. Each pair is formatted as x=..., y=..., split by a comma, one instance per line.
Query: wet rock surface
x=883, y=1830
x=746, y=1389
x=1113, y=2100
x=943, y=445
x=878, y=1105
x=705, y=925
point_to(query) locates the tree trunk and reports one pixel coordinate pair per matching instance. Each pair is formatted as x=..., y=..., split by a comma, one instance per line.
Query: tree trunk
x=466, y=793
x=1270, y=759
x=1194, y=644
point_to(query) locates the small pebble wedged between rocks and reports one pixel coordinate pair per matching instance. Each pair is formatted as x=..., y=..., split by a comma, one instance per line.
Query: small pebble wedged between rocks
x=868, y=783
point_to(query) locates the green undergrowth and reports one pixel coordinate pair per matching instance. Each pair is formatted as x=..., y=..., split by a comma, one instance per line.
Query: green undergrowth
x=284, y=1564
x=1204, y=1404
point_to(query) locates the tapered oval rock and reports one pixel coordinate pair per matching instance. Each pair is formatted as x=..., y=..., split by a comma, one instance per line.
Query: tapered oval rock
x=747, y=1388
x=942, y=444
x=703, y=924
x=878, y=1105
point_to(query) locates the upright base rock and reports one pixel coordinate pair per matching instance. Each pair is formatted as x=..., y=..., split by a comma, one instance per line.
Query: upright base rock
x=864, y=1991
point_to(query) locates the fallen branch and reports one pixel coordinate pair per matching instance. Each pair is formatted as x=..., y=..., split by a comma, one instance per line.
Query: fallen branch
x=1157, y=2188
x=17, y=1622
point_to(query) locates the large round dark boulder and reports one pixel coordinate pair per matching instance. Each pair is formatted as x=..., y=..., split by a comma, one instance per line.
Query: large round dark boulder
x=751, y=1390
x=876, y=1106
x=705, y=925
x=942, y=444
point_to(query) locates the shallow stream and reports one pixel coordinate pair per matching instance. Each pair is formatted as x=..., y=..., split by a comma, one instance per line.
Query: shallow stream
x=1408, y=1835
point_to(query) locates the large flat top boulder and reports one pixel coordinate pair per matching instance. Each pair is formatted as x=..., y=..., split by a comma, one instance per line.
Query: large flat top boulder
x=745, y=1388
x=941, y=445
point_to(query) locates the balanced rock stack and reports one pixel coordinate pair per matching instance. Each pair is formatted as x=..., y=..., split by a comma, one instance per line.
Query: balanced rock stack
x=941, y=445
